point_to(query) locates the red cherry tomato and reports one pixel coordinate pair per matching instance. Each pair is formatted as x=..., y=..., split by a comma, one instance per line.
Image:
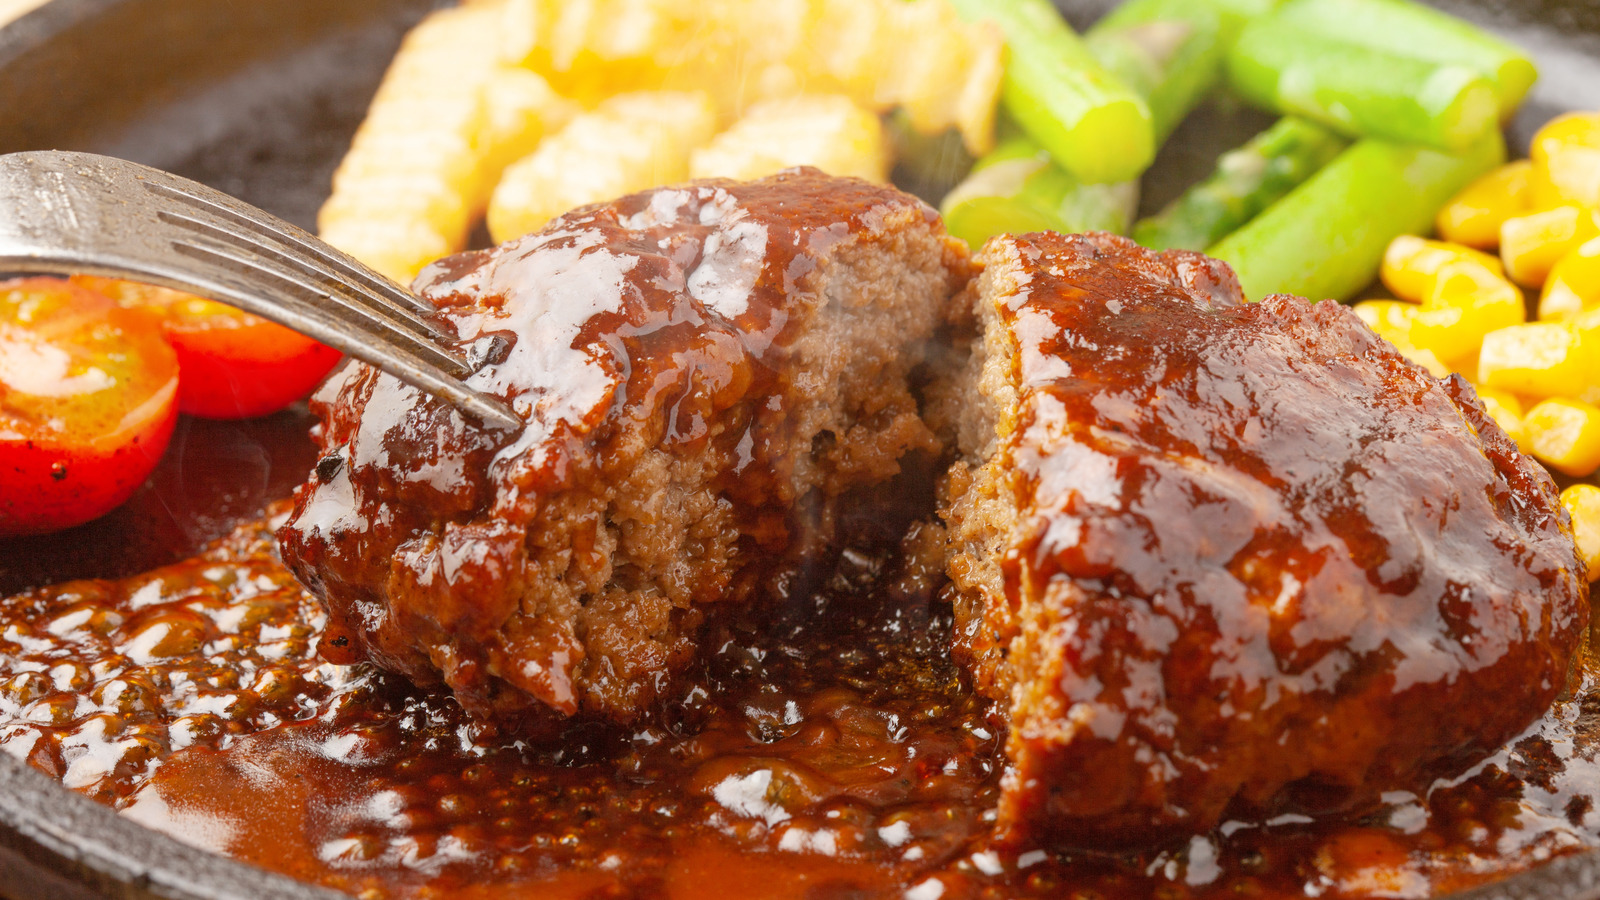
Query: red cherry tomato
x=88, y=398
x=234, y=365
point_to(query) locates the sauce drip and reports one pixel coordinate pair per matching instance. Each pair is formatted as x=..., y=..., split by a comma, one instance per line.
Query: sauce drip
x=828, y=749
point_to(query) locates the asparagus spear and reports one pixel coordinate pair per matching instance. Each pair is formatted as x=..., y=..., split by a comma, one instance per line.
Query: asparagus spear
x=1246, y=181
x=1327, y=237
x=1170, y=51
x=1016, y=188
x=1360, y=90
x=1092, y=123
x=1409, y=29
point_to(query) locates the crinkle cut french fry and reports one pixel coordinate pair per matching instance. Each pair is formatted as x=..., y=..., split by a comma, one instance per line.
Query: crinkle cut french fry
x=630, y=142
x=401, y=194
x=928, y=56
x=828, y=131
x=446, y=120
x=915, y=54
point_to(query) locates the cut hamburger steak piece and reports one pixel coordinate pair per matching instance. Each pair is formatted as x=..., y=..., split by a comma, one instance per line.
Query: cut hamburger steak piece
x=1218, y=558
x=702, y=370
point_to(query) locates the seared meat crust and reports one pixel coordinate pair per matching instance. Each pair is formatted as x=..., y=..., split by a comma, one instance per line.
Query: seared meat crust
x=1220, y=558
x=702, y=370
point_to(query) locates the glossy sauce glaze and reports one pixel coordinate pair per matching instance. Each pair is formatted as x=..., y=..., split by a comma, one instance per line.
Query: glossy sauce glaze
x=701, y=369
x=828, y=749
x=1260, y=563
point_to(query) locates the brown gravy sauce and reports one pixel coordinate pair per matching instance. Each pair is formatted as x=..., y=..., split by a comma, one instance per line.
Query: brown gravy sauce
x=829, y=750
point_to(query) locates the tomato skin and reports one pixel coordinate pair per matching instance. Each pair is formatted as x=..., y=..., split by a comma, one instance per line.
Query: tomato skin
x=51, y=485
x=88, y=401
x=232, y=365
x=248, y=371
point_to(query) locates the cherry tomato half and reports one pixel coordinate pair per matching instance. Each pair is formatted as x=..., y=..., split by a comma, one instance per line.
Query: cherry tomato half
x=88, y=398
x=233, y=365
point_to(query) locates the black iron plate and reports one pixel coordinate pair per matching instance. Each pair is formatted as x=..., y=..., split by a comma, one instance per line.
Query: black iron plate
x=260, y=100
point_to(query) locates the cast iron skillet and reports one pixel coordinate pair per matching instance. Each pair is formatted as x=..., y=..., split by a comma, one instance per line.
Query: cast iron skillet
x=260, y=99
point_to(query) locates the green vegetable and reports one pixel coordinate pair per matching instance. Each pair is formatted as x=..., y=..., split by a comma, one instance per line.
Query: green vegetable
x=1170, y=51
x=1327, y=237
x=1094, y=125
x=1018, y=189
x=1247, y=181
x=1359, y=89
x=1406, y=28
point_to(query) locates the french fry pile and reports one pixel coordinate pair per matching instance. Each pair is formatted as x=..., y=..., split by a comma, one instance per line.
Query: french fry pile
x=523, y=109
x=1463, y=309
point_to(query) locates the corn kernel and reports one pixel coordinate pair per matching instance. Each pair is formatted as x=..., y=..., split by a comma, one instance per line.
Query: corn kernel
x=1585, y=328
x=1391, y=319
x=1582, y=502
x=1531, y=245
x=1506, y=410
x=1565, y=435
x=1538, y=359
x=1464, y=301
x=1567, y=154
x=1474, y=217
x=1573, y=285
x=1411, y=262
x=1578, y=129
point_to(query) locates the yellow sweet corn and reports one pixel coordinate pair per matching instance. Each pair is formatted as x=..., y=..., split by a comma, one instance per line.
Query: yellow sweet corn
x=1538, y=359
x=1506, y=410
x=629, y=143
x=828, y=131
x=1474, y=217
x=1392, y=320
x=1531, y=245
x=1582, y=502
x=1585, y=328
x=1573, y=285
x=1464, y=301
x=1565, y=435
x=1411, y=262
x=1566, y=153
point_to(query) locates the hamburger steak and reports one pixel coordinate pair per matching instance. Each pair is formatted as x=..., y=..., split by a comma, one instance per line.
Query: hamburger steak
x=1225, y=558
x=702, y=369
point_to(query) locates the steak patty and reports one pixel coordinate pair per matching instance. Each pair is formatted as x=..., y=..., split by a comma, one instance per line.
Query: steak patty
x=1219, y=558
x=701, y=370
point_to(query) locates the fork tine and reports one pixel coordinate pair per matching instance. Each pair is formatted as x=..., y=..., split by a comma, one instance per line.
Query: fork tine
x=228, y=208
x=317, y=300
x=343, y=291
x=63, y=212
x=413, y=361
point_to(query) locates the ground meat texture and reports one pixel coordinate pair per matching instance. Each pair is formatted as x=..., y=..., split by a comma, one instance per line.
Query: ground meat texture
x=702, y=370
x=1223, y=560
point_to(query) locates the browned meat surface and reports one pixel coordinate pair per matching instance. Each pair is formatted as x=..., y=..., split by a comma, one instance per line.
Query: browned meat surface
x=1222, y=558
x=702, y=370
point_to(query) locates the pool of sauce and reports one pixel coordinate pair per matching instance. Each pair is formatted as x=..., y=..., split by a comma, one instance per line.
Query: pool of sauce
x=826, y=749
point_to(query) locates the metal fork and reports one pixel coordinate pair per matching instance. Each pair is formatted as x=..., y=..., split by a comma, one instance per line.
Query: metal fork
x=66, y=213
